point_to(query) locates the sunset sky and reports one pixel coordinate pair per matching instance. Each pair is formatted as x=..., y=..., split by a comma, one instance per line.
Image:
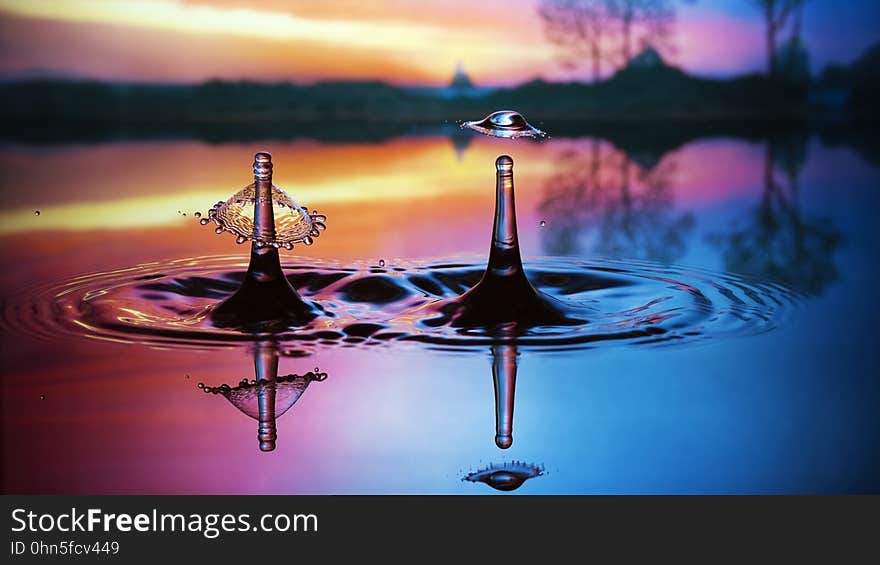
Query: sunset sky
x=399, y=41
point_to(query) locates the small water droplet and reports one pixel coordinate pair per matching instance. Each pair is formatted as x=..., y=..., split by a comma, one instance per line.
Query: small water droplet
x=240, y=239
x=187, y=375
x=178, y=211
x=201, y=385
x=203, y=221
x=42, y=397
x=543, y=223
x=381, y=262
x=198, y=214
x=36, y=212
x=218, y=229
x=308, y=240
x=505, y=123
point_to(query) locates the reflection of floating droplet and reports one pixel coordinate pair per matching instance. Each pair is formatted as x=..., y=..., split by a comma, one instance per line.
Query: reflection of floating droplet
x=506, y=476
x=505, y=123
x=42, y=397
x=293, y=223
x=36, y=212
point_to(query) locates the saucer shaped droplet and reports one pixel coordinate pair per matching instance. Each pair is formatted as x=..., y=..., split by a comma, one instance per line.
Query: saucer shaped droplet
x=505, y=476
x=505, y=123
x=293, y=223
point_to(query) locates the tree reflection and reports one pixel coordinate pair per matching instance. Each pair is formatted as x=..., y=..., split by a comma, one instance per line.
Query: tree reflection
x=778, y=241
x=625, y=205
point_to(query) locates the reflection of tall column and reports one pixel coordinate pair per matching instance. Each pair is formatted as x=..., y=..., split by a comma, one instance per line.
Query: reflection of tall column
x=504, y=359
x=266, y=372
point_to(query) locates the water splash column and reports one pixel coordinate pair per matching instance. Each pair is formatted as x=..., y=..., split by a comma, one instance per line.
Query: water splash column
x=265, y=264
x=265, y=297
x=264, y=216
x=504, y=256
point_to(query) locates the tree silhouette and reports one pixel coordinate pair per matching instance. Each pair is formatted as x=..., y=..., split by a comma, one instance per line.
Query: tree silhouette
x=647, y=21
x=776, y=15
x=580, y=28
x=606, y=31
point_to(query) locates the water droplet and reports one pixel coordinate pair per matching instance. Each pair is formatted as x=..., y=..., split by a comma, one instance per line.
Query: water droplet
x=505, y=476
x=203, y=221
x=187, y=375
x=505, y=123
x=543, y=223
x=42, y=397
x=381, y=262
x=36, y=212
x=288, y=246
x=308, y=240
x=198, y=214
x=240, y=239
x=178, y=211
x=218, y=229
x=201, y=385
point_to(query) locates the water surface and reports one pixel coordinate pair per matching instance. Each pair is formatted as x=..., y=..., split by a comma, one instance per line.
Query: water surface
x=790, y=408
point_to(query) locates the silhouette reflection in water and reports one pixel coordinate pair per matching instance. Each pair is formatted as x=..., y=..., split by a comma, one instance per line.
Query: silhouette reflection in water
x=626, y=203
x=777, y=241
x=268, y=396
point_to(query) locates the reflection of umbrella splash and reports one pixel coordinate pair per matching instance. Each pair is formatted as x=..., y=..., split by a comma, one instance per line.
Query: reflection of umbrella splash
x=268, y=396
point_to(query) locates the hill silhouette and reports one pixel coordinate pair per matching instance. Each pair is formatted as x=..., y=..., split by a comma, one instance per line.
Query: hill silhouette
x=643, y=93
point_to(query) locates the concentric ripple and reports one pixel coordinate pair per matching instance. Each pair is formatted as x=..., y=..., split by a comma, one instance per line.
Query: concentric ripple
x=168, y=304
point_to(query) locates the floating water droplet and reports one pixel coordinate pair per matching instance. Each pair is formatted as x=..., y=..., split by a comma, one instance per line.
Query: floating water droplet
x=204, y=221
x=201, y=385
x=240, y=239
x=308, y=240
x=218, y=229
x=505, y=123
x=187, y=375
x=198, y=214
x=288, y=246
x=42, y=397
x=381, y=262
x=36, y=212
x=543, y=223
